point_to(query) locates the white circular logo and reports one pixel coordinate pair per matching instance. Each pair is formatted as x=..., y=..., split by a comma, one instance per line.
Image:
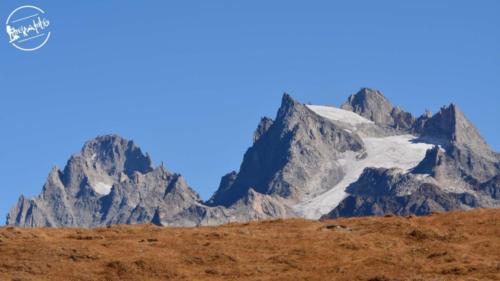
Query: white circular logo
x=28, y=28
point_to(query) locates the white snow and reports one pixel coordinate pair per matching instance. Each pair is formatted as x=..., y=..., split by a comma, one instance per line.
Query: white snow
x=386, y=152
x=338, y=114
x=102, y=188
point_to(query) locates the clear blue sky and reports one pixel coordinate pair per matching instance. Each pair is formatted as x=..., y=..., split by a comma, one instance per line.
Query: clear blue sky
x=188, y=81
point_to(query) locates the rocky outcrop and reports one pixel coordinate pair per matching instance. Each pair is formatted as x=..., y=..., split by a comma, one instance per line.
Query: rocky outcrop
x=264, y=125
x=467, y=152
x=392, y=191
x=225, y=185
x=385, y=182
x=402, y=120
x=491, y=187
x=425, y=200
x=450, y=124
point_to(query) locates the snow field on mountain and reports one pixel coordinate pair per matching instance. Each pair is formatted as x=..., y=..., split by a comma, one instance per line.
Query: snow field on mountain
x=337, y=114
x=102, y=188
x=387, y=152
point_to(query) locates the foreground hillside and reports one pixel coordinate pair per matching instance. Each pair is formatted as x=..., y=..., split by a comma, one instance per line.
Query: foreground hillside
x=452, y=246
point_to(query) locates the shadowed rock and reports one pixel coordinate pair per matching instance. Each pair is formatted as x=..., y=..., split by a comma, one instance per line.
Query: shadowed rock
x=264, y=125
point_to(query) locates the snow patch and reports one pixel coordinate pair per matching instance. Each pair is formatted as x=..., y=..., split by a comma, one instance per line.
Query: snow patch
x=102, y=188
x=387, y=152
x=337, y=114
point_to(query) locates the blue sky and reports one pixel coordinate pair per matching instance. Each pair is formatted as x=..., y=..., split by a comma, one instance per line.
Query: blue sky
x=189, y=80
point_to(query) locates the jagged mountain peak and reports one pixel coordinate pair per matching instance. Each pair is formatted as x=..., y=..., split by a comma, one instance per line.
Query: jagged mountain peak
x=467, y=153
x=373, y=105
x=105, y=139
x=366, y=92
x=286, y=98
x=115, y=155
x=107, y=145
x=109, y=181
x=366, y=97
x=451, y=125
x=288, y=106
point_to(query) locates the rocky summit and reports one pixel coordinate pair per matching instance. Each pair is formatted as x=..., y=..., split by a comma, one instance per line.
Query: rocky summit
x=366, y=157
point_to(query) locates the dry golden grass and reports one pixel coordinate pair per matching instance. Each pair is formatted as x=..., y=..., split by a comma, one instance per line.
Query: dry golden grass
x=452, y=246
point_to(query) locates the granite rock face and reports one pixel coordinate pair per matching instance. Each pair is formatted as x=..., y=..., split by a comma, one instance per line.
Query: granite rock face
x=305, y=161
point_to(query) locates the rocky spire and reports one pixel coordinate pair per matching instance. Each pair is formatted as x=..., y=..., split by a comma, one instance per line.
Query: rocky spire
x=370, y=104
x=450, y=124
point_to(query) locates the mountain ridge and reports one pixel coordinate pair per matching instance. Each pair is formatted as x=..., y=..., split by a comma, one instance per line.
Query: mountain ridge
x=310, y=161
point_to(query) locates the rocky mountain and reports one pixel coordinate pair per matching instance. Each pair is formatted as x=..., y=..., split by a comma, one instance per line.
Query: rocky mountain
x=289, y=160
x=365, y=158
x=459, y=172
x=112, y=182
x=109, y=181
